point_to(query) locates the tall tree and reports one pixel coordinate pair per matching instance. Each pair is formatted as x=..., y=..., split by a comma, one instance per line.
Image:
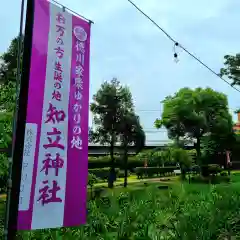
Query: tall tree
x=131, y=133
x=108, y=106
x=8, y=70
x=173, y=108
x=196, y=113
x=232, y=68
x=183, y=159
x=8, y=67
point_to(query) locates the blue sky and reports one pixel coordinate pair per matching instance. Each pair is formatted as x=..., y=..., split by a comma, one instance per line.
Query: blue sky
x=127, y=46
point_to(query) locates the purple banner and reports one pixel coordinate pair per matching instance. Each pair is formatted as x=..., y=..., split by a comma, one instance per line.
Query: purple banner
x=54, y=174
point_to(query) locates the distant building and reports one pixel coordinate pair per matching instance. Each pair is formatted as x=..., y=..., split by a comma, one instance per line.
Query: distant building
x=101, y=150
x=236, y=127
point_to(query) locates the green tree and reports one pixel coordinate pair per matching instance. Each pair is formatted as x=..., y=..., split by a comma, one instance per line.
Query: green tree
x=5, y=129
x=8, y=97
x=194, y=114
x=131, y=133
x=108, y=106
x=8, y=67
x=8, y=70
x=7, y=106
x=173, y=108
x=8, y=74
x=232, y=68
x=158, y=158
x=168, y=154
x=184, y=159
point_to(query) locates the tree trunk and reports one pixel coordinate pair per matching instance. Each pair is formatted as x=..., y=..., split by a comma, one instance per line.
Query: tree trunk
x=177, y=140
x=112, y=174
x=198, y=150
x=125, y=165
x=183, y=172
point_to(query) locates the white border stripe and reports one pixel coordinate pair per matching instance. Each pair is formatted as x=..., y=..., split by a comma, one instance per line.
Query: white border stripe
x=51, y=215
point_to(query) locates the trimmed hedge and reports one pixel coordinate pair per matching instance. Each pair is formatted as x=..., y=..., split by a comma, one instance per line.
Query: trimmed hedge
x=105, y=161
x=102, y=173
x=211, y=169
x=121, y=174
x=210, y=179
x=195, y=169
x=98, y=162
x=151, y=171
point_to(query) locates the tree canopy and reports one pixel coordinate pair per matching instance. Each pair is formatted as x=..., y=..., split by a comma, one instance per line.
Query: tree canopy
x=8, y=67
x=8, y=70
x=130, y=133
x=114, y=119
x=108, y=106
x=194, y=114
x=232, y=68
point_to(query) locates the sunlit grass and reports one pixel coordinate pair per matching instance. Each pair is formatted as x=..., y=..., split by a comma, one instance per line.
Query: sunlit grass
x=132, y=179
x=185, y=211
x=144, y=210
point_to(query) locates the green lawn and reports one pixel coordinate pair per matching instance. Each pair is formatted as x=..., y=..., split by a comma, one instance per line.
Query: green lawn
x=134, y=180
x=146, y=211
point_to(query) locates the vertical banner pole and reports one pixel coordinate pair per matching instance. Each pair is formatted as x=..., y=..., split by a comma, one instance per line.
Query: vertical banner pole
x=18, y=79
x=18, y=140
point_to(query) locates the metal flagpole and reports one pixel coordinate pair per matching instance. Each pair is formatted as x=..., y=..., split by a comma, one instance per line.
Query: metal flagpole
x=19, y=122
x=18, y=78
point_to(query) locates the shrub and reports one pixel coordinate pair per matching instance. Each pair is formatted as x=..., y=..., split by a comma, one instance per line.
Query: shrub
x=98, y=162
x=3, y=172
x=195, y=169
x=105, y=161
x=211, y=169
x=133, y=162
x=92, y=179
x=151, y=171
x=102, y=173
x=224, y=174
x=212, y=179
x=183, y=158
x=121, y=174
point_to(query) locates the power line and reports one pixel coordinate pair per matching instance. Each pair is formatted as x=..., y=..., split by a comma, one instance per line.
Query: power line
x=183, y=48
x=157, y=110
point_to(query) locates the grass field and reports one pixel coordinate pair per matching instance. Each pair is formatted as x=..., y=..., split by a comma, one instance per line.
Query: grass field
x=146, y=211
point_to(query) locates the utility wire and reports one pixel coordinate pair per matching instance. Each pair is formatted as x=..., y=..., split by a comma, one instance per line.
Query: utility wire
x=179, y=45
x=157, y=110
